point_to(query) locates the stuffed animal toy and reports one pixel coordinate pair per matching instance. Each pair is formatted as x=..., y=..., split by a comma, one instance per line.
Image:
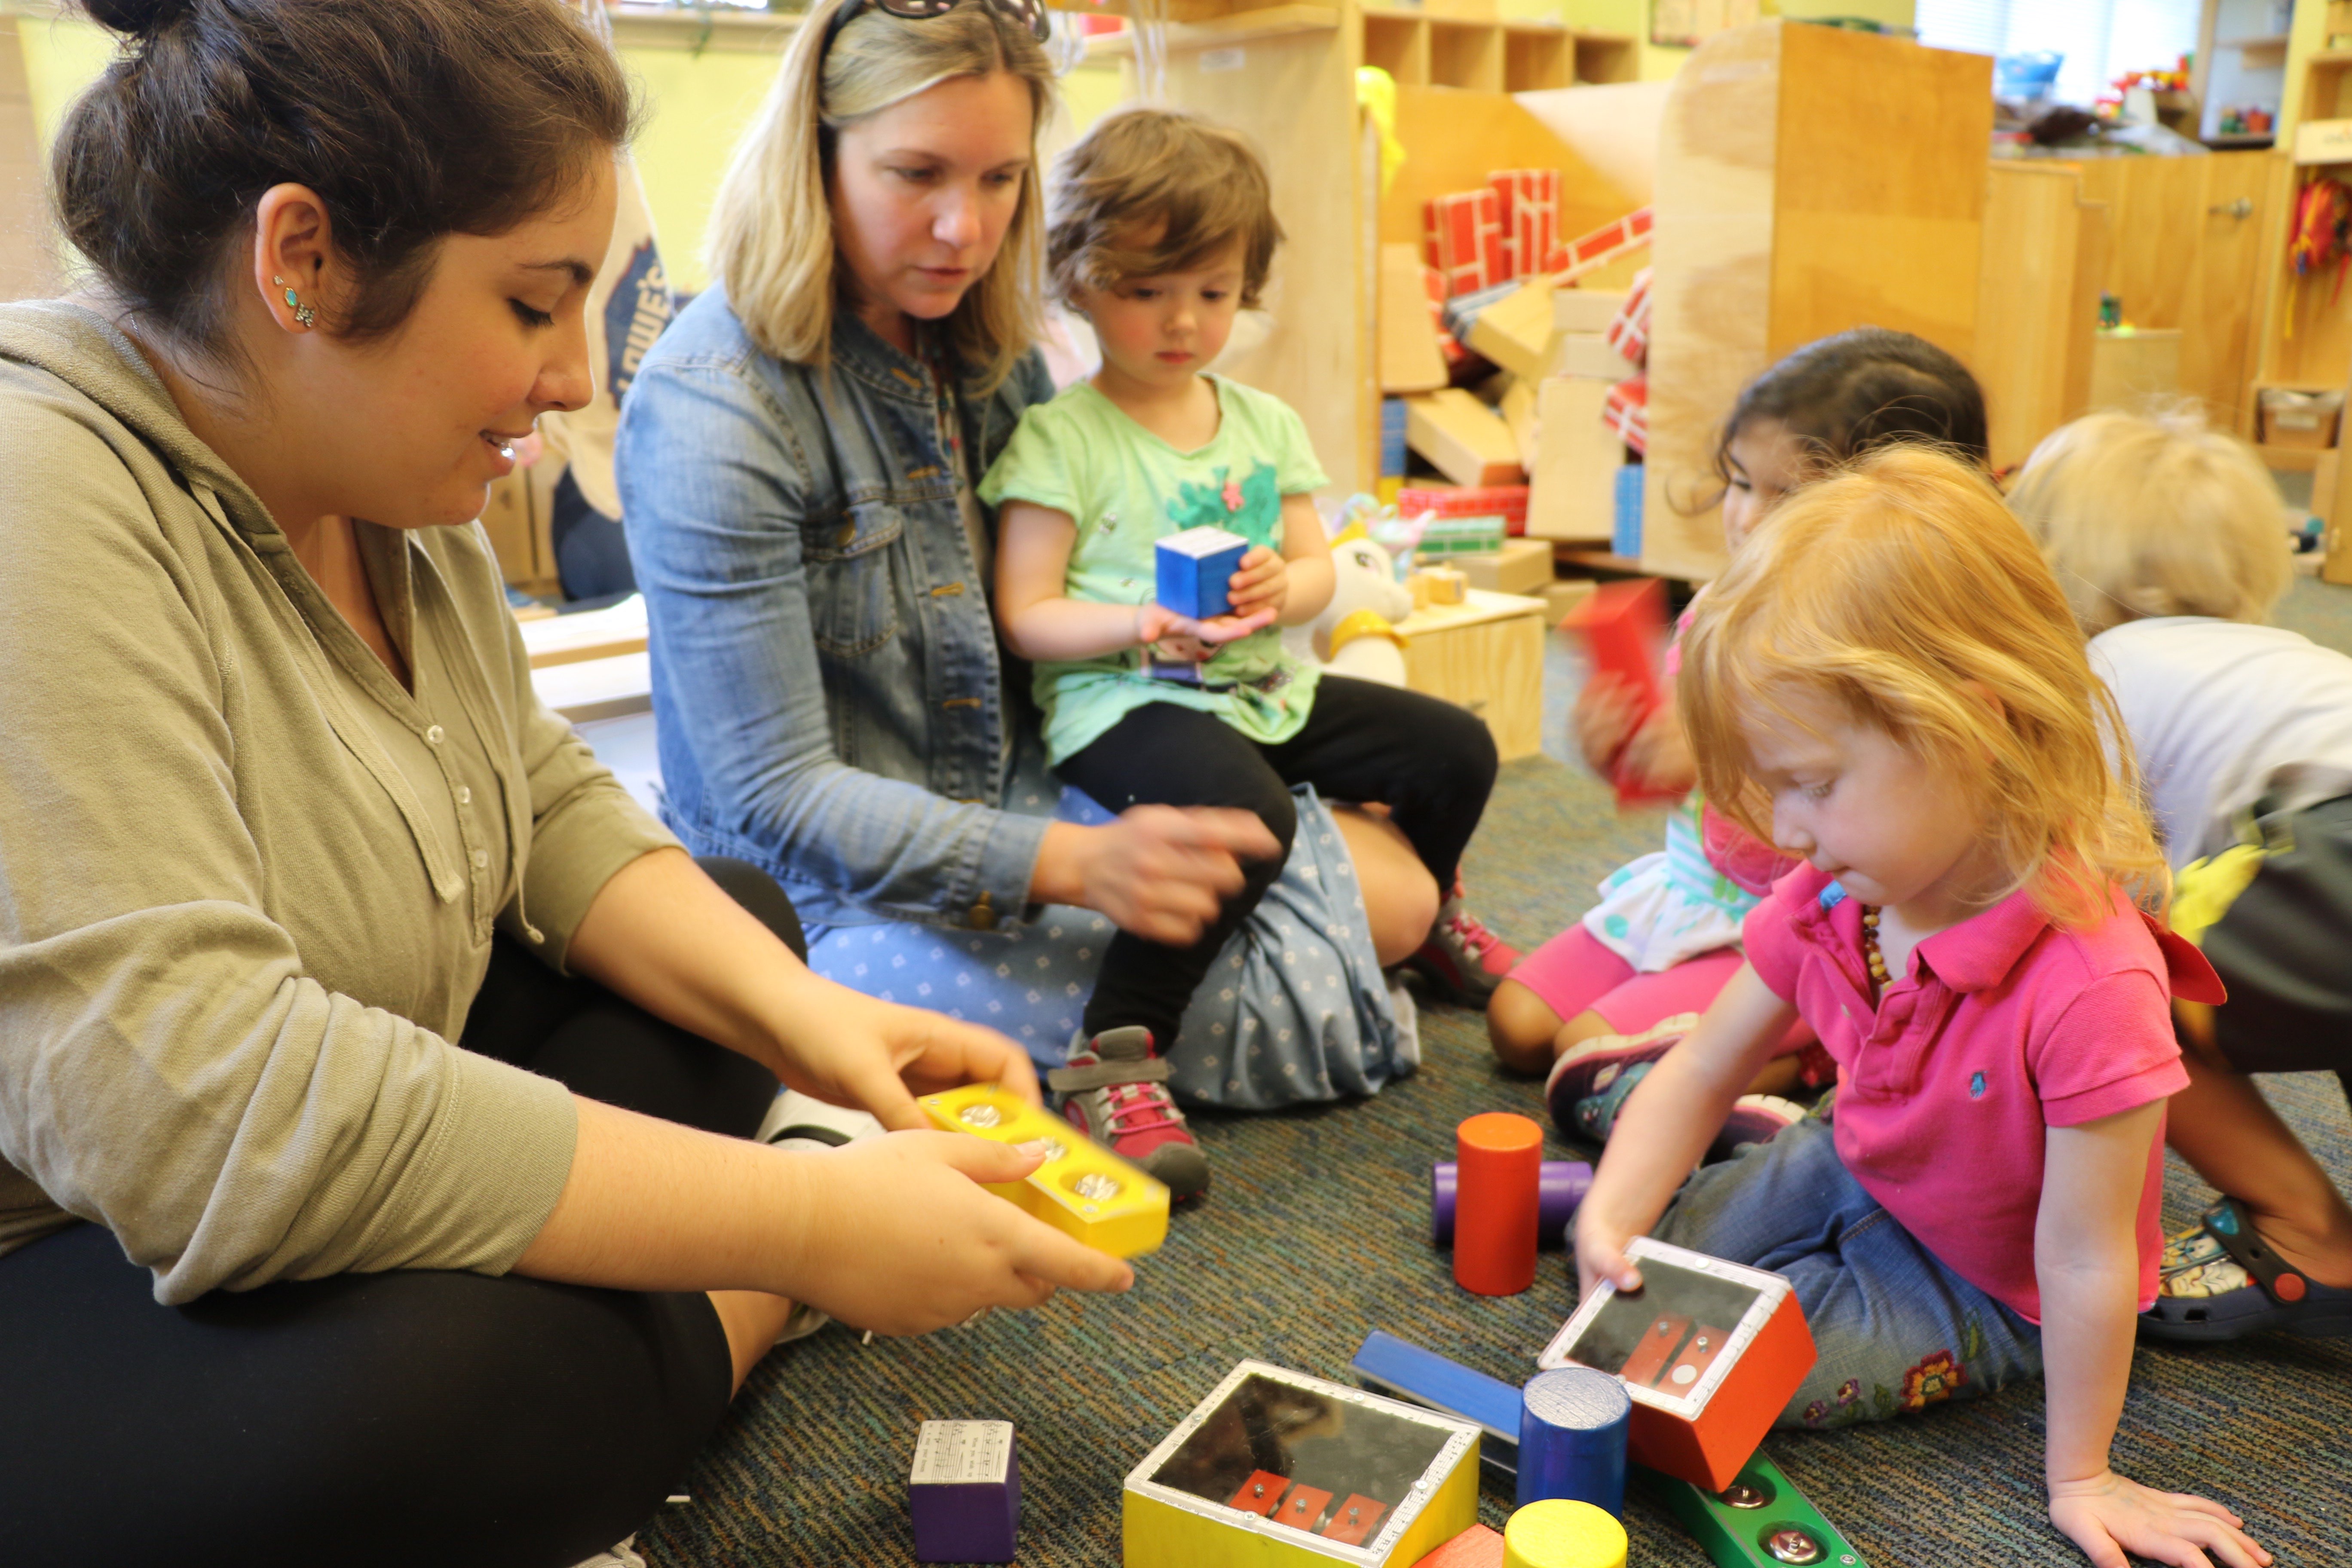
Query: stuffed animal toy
x=1355, y=634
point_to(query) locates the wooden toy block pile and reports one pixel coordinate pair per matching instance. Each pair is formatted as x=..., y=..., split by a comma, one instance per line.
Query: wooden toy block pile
x=1518, y=354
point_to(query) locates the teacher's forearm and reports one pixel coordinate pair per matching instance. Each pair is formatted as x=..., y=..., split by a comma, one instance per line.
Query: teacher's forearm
x=661, y=933
x=639, y=1210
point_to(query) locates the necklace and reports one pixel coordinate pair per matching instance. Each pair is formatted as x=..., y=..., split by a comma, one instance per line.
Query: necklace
x=1871, y=955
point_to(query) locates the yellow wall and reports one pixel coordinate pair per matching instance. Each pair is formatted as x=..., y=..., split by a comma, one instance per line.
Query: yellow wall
x=698, y=104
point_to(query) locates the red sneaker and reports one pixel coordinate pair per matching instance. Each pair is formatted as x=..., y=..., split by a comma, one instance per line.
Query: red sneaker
x=1462, y=959
x=1115, y=1090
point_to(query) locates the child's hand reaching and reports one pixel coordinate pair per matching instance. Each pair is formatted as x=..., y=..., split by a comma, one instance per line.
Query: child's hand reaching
x=1603, y=719
x=1180, y=637
x=2107, y=1516
x=1262, y=582
x=1612, y=731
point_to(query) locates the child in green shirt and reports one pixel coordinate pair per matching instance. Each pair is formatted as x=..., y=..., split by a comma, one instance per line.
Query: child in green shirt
x=1163, y=228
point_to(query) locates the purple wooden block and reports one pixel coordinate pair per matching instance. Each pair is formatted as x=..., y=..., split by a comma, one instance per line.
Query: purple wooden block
x=1560, y=1186
x=965, y=1492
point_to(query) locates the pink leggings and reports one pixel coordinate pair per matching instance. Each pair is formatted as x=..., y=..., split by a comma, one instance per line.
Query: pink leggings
x=1575, y=973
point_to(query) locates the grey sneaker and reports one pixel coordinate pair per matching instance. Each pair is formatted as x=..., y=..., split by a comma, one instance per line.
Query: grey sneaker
x=1115, y=1090
x=623, y=1555
x=1462, y=960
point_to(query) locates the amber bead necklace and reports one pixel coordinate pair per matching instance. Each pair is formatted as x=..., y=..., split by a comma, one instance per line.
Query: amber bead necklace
x=1871, y=955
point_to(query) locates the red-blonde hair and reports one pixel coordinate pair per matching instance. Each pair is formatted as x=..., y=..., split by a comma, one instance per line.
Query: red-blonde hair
x=1901, y=591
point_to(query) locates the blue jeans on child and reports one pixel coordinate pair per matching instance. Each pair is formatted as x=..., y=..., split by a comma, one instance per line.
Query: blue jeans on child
x=1897, y=1330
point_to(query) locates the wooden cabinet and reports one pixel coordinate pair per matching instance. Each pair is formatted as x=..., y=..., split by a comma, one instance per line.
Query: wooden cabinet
x=2185, y=252
x=1486, y=653
x=1810, y=180
x=2045, y=250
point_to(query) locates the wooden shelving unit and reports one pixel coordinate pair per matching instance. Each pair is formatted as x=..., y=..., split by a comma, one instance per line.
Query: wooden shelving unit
x=2306, y=325
x=1420, y=49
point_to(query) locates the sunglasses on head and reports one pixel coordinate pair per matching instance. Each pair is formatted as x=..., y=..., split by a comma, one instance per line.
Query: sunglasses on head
x=1029, y=13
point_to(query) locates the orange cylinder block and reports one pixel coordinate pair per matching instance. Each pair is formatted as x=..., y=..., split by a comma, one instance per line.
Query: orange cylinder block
x=1499, y=1161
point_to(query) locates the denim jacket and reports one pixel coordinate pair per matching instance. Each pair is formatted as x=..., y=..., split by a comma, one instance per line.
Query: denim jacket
x=833, y=705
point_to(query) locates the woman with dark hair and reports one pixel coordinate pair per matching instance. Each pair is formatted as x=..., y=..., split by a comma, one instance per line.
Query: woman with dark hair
x=376, y=1080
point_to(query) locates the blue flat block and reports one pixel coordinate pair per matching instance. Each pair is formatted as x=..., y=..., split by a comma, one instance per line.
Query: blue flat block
x=1392, y=447
x=1404, y=1370
x=964, y=1492
x=1572, y=1427
x=1625, y=539
x=1195, y=570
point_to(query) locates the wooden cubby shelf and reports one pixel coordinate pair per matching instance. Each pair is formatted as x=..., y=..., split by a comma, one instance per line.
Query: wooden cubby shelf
x=1435, y=49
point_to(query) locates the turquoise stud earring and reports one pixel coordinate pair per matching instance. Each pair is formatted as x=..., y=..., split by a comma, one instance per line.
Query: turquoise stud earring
x=303, y=313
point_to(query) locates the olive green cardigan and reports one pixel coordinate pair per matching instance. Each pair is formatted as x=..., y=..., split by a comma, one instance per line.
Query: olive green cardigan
x=234, y=944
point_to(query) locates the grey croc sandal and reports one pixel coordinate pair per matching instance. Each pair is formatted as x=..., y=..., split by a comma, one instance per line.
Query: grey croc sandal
x=2281, y=1296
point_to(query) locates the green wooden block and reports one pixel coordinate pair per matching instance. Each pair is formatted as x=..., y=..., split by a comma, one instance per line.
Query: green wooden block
x=1759, y=1521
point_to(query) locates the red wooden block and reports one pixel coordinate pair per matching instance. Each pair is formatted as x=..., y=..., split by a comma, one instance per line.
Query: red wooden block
x=1463, y=239
x=1302, y=1507
x=1629, y=330
x=1508, y=502
x=1704, y=1429
x=1354, y=1520
x=1497, y=1204
x=1587, y=251
x=1626, y=412
x=1622, y=625
x=1476, y=1547
x=1261, y=1494
x=1526, y=206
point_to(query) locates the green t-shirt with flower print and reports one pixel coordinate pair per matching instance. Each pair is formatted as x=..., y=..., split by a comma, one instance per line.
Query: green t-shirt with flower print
x=1126, y=490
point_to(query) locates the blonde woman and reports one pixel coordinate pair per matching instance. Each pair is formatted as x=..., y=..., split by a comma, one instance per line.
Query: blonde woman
x=798, y=460
x=2168, y=538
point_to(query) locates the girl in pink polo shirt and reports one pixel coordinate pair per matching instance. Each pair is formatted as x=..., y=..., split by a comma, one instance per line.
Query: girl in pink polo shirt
x=1598, y=1003
x=1888, y=684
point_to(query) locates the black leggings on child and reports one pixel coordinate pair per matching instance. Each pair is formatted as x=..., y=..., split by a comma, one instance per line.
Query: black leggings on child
x=396, y=1418
x=1431, y=763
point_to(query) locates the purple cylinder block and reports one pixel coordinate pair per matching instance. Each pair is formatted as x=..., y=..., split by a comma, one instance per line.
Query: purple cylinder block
x=1560, y=1188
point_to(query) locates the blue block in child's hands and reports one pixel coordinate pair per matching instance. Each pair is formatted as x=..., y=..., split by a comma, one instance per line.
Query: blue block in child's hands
x=1196, y=570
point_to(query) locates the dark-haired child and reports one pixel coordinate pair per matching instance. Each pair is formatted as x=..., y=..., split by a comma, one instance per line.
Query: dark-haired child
x=1596, y=1004
x=1163, y=228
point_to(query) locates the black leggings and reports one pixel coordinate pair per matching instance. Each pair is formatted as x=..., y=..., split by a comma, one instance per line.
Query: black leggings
x=1431, y=763
x=395, y=1418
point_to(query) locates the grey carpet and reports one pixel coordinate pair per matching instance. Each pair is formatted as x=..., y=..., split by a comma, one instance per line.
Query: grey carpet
x=1315, y=1232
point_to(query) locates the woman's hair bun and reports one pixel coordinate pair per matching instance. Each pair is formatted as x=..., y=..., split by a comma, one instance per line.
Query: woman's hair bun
x=139, y=18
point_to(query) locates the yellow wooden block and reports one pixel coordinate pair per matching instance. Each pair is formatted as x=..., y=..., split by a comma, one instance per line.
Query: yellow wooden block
x=1559, y=1532
x=1562, y=595
x=1179, y=1508
x=1462, y=437
x=1585, y=309
x=1517, y=408
x=1515, y=331
x=1409, y=359
x=1521, y=566
x=1082, y=1190
x=1589, y=354
x=1573, y=490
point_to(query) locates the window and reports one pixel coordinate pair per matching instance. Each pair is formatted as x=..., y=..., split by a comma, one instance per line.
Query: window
x=2100, y=40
